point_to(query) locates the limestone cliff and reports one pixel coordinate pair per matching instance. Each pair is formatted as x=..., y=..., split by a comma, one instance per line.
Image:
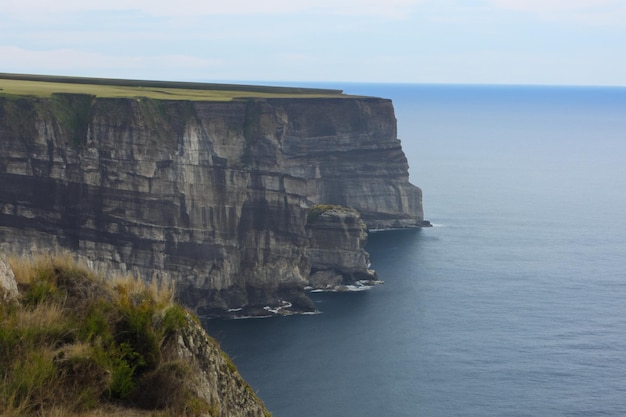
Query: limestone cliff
x=337, y=238
x=212, y=194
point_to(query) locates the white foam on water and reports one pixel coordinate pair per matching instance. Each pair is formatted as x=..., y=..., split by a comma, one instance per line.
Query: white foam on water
x=356, y=287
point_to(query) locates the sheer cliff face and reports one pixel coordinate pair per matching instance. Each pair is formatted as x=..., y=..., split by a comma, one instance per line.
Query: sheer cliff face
x=211, y=194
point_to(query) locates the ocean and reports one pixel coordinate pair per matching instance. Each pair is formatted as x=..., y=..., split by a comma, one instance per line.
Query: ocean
x=513, y=304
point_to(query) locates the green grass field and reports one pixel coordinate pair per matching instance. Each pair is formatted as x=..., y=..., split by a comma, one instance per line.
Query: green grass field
x=44, y=86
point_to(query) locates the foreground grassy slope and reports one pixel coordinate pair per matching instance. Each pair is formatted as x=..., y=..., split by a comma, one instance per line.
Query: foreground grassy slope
x=44, y=86
x=73, y=344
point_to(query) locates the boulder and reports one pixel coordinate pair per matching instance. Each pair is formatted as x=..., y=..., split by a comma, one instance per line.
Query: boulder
x=8, y=285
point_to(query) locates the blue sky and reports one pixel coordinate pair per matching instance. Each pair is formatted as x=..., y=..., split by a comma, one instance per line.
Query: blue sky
x=572, y=42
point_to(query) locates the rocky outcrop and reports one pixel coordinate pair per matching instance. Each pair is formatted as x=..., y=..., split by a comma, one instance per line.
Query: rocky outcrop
x=8, y=285
x=336, y=249
x=214, y=195
x=214, y=378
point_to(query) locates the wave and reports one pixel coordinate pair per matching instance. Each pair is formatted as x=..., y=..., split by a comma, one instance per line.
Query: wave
x=356, y=287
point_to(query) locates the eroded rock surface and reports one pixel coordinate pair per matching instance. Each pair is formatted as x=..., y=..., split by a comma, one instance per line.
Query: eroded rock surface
x=214, y=378
x=214, y=195
x=337, y=238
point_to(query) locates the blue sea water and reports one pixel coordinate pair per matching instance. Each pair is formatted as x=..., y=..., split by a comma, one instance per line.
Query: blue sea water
x=513, y=304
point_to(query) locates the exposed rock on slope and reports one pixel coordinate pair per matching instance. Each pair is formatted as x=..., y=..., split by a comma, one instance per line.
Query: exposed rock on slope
x=213, y=194
x=215, y=379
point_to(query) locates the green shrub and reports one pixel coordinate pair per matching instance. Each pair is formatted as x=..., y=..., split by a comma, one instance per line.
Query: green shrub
x=123, y=379
x=175, y=317
x=136, y=333
x=317, y=210
x=96, y=322
x=28, y=383
x=42, y=287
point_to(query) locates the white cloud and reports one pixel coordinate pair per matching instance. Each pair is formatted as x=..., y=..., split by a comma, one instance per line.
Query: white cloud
x=318, y=39
x=581, y=11
x=71, y=61
x=390, y=8
x=543, y=6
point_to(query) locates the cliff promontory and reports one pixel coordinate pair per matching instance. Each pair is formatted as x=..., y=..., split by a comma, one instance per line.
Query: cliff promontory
x=215, y=195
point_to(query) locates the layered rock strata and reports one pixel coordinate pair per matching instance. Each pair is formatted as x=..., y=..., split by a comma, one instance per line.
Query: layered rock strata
x=214, y=195
x=336, y=249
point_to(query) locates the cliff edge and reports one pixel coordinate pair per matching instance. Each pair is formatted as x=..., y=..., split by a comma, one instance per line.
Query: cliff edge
x=212, y=194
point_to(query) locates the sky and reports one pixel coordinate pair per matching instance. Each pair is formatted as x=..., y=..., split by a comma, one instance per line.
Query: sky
x=546, y=42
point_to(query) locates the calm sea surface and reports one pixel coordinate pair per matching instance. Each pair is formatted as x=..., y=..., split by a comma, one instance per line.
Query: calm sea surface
x=514, y=304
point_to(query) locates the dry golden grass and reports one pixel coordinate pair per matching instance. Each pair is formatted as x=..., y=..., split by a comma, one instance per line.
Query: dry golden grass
x=108, y=411
x=25, y=268
x=131, y=288
x=80, y=346
x=42, y=317
x=127, y=286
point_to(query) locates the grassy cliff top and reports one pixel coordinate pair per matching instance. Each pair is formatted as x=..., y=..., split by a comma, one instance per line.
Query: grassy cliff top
x=46, y=85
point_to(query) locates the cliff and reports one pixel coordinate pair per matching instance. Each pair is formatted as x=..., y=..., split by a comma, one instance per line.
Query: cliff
x=212, y=194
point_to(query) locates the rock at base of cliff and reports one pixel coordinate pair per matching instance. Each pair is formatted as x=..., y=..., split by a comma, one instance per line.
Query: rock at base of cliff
x=332, y=281
x=325, y=279
x=337, y=239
